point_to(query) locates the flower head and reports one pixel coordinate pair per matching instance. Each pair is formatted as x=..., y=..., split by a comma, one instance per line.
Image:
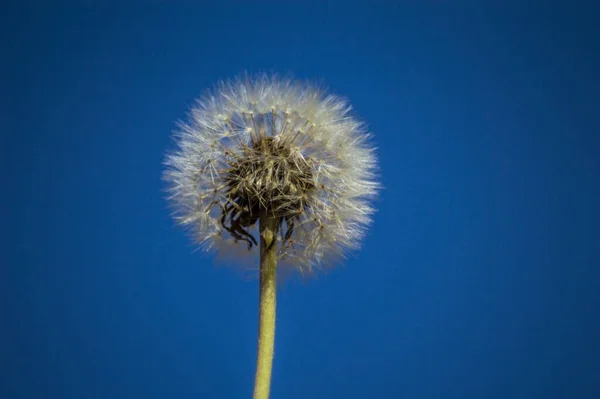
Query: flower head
x=275, y=146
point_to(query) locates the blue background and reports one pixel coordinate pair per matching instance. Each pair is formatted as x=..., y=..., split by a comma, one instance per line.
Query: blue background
x=478, y=279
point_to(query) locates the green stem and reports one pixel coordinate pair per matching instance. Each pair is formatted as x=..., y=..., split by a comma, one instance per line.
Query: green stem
x=268, y=294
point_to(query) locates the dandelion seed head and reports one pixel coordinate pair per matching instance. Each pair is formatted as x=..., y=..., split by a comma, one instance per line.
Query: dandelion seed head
x=278, y=146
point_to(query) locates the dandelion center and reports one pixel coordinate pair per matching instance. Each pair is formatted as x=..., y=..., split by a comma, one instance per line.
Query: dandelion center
x=266, y=176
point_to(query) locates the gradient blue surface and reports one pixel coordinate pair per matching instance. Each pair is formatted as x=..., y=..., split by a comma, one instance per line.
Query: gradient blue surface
x=479, y=278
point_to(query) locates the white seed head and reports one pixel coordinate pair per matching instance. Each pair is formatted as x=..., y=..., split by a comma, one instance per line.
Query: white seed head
x=277, y=146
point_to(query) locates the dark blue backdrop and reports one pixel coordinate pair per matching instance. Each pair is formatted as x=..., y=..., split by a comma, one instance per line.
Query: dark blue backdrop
x=479, y=278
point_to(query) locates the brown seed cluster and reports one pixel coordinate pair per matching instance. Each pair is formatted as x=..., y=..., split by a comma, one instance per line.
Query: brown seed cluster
x=266, y=176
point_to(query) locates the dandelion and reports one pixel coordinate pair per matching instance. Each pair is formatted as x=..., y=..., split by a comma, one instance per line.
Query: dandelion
x=278, y=166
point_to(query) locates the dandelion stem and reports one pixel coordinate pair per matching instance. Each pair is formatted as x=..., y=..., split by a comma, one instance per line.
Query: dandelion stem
x=268, y=294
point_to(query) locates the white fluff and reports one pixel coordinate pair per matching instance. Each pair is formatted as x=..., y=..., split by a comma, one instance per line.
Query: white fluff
x=316, y=126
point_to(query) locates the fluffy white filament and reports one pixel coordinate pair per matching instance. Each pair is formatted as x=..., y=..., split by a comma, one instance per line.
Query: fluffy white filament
x=314, y=126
